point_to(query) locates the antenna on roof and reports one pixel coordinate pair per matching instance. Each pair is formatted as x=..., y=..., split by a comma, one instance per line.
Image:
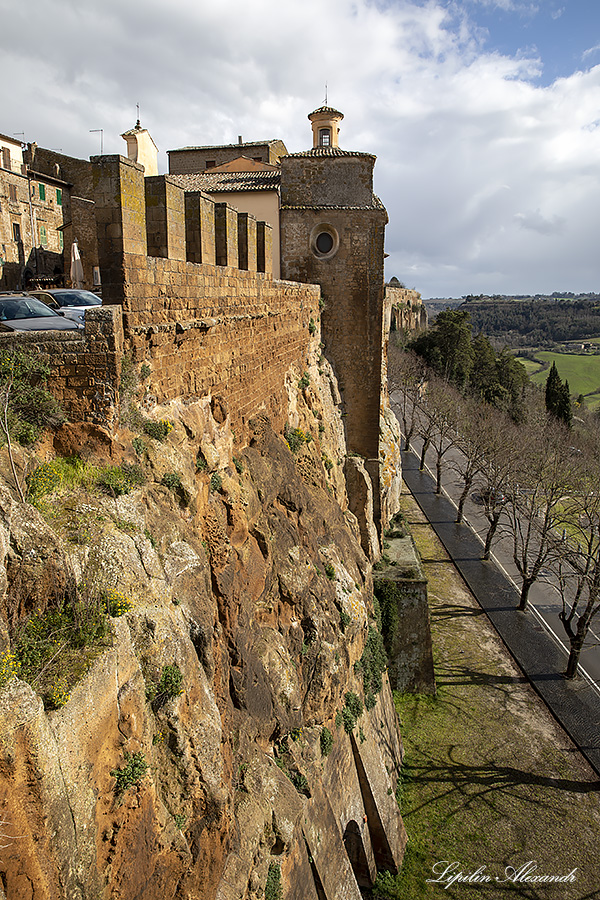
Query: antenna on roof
x=101, y=131
x=325, y=93
x=137, y=106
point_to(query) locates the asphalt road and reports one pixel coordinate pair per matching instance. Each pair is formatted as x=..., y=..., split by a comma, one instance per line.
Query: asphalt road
x=544, y=598
x=575, y=704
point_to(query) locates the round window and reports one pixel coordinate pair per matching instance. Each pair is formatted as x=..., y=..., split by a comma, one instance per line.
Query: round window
x=324, y=241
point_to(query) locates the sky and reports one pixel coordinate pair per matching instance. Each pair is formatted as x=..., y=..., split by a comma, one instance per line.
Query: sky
x=484, y=115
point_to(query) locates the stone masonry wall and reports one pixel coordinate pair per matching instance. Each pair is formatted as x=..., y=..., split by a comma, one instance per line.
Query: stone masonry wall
x=225, y=331
x=201, y=328
x=406, y=310
x=85, y=368
x=334, y=194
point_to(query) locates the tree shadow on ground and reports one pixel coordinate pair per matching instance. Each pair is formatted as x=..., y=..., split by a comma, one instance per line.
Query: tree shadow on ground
x=453, y=675
x=453, y=611
x=467, y=783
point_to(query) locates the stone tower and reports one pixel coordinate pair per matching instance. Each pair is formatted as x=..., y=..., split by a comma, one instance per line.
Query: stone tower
x=332, y=234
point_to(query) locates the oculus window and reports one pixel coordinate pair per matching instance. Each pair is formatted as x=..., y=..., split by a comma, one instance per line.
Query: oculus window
x=324, y=241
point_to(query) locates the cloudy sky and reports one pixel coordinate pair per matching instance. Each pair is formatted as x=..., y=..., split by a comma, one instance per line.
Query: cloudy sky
x=484, y=114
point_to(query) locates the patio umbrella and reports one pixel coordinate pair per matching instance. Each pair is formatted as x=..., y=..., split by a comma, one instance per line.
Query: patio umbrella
x=76, y=267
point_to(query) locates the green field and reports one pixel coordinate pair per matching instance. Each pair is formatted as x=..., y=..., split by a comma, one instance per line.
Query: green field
x=530, y=365
x=582, y=372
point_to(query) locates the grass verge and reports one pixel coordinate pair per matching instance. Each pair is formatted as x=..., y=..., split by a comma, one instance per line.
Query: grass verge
x=490, y=780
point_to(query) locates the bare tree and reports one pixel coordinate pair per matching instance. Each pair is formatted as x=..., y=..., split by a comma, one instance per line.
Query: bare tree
x=500, y=451
x=533, y=503
x=406, y=377
x=424, y=427
x=441, y=403
x=470, y=460
x=579, y=563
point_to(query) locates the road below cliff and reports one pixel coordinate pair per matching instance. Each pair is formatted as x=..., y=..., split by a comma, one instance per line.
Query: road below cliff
x=576, y=705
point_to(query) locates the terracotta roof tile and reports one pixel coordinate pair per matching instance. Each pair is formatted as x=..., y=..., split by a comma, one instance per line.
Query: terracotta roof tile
x=329, y=110
x=375, y=204
x=229, y=181
x=330, y=151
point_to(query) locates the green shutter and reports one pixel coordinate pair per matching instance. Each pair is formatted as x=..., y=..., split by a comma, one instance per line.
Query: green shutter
x=58, y=197
x=42, y=191
x=43, y=235
x=61, y=240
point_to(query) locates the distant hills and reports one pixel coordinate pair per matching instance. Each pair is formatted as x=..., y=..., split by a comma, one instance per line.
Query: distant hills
x=540, y=320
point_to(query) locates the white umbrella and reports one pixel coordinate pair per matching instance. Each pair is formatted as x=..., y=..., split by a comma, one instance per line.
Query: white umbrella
x=76, y=267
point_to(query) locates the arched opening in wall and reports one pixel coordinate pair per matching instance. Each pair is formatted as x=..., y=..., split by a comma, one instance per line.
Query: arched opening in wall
x=324, y=241
x=355, y=849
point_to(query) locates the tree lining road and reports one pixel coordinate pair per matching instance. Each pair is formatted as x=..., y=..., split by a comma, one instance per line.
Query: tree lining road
x=576, y=704
x=544, y=597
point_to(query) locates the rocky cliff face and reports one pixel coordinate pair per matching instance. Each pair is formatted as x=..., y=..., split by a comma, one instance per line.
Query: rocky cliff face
x=214, y=742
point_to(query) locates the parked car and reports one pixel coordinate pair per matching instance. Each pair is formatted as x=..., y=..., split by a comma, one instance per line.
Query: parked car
x=20, y=312
x=71, y=302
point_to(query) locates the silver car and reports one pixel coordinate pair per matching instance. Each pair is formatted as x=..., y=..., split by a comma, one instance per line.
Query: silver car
x=20, y=312
x=71, y=302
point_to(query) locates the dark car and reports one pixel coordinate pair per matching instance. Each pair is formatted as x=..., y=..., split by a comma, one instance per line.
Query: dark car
x=20, y=312
x=72, y=302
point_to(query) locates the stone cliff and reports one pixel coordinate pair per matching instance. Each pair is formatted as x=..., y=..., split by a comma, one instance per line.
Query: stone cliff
x=230, y=733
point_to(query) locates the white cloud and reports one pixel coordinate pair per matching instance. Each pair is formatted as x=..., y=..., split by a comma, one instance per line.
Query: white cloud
x=480, y=167
x=536, y=221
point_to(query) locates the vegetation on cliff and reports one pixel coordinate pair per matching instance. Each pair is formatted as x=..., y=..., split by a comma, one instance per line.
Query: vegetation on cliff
x=193, y=637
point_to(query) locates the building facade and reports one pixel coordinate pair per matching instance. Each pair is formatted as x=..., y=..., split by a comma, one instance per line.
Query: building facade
x=332, y=234
x=32, y=217
x=190, y=160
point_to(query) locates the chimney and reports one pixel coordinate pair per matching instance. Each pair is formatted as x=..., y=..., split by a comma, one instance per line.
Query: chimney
x=240, y=139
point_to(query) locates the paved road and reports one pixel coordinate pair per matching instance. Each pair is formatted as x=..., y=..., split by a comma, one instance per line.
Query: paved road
x=544, y=598
x=575, y=704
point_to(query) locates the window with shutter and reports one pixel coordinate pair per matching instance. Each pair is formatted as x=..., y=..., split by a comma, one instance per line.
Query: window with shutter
x=5, y=158
x=12, y=192
x=58, y=197
x=42, y=191
x=16, y=232
x=43, y=236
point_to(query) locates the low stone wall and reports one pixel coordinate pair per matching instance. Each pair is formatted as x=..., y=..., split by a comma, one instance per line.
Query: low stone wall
x=222, y=331
x=402, y=588
x=85, y=367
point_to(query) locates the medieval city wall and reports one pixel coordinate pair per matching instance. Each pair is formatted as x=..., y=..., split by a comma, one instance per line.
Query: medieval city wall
x=404, y=309
x=197, y=327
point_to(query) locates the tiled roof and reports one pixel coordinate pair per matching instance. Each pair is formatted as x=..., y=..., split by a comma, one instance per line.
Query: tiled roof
x=229, y=181
x=330, y=151
x=229, y=146
x=329, y=110
x=375, y=204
